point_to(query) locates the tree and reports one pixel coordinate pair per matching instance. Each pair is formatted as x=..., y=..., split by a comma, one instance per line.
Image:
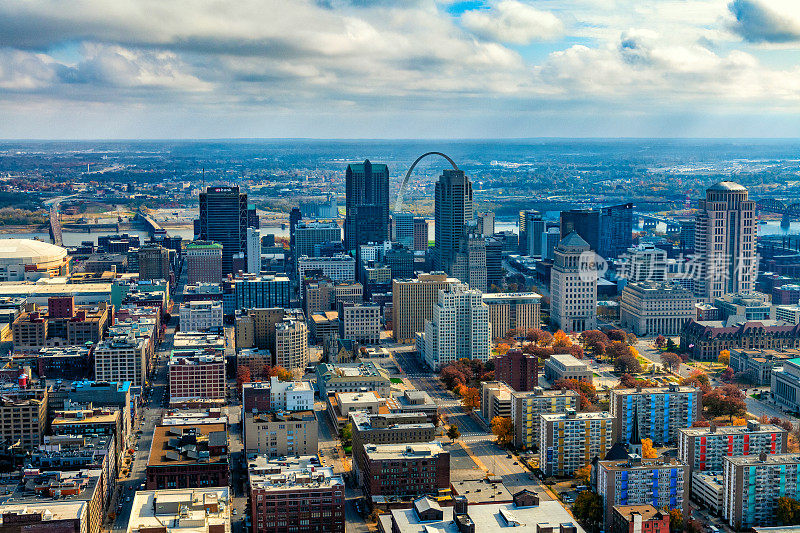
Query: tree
x=698, y=379
x=727, y=400
x=346, y=435
x=788, y=511
x=453, y=433
x=586, y=390
x=671, y=346
x=588, y=508
x=574, y=350
x=617, y=335
x=452, y=376
x=502, y=348
x=627, y=363
x=675, y=520
x=727, y=375
x=671, y=360
x=583, y=474
x=648, y=451
x=617, y=349
x=627, y=381
x=661, y=341
x=539, y=337
x=242, y=376
x=724, y=357
x=503, y=429
x=560, y=339
x=471, y=399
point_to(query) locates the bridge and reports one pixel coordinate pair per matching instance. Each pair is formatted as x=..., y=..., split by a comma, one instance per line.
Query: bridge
x=153, y=227
x=772, y=205
x=55, y=225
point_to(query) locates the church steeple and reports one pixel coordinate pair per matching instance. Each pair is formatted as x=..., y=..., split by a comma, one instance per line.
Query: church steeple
x=635, y=442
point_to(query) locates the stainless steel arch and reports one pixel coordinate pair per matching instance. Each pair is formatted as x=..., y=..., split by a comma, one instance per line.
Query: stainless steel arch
x=398, y=204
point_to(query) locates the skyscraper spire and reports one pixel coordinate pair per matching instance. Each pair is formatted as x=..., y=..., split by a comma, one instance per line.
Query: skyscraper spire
x=635, y=442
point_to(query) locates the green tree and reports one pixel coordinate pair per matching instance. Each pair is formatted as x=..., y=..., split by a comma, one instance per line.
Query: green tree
x=671, y=346
x=346, y=435
x=588, y=508
x=453, y=433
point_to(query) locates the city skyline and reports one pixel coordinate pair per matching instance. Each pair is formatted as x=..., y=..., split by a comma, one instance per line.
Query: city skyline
x=421, y=69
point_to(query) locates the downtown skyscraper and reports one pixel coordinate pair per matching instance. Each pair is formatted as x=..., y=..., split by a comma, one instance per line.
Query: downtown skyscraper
x=367, y=204
x=224, y=219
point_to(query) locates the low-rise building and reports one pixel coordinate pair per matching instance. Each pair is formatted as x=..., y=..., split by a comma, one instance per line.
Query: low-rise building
x=66, y=516
x=405, y=470
x=341, y=404
x=705, y=448
x=23, y=415
x=275, y=486
x=352, y=377
x=569, y=441
x=527, y=406
x=258, y=361
x=756, y=366
x=199, y=315
x=704, y=340
x=388, y=428
x=788, y=313
x=785, y=385
x=417, y=401
x=745, y=306
x=198, y=510
x=94, y=422
x=495, y=400
x=656, y=308
x=566, y=366
x=754, y=484
x=638, y=519
x=323, y=324
x=707, y=490
x=280, y=433
x=189, y=456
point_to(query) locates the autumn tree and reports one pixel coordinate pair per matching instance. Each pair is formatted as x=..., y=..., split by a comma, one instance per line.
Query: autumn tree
x=588, y=508
x=583, y=474
x=502, y=348
x=727, y=400
x=788, y=511
x=675, y=520
x=617, y=349
x=648, y=451
x=661, y=341
x=539, y=337
x=453, y=433
x=627, y=363
x=471, y=399
x=698, y=379
x=671, y=360
x=281, y=373
x=503, y=429
x=617, y=335
x=560, y=339
x=586, y=390
x=242, y=376
x=724, y=357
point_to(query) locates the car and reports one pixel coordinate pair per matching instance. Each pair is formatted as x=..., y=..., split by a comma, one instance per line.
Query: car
x=508, y=456
x=128, y=499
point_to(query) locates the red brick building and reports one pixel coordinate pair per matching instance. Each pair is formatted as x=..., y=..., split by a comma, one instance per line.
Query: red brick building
x=405, y=470
x=518, y=370
x=638, y=519
x=295, y=494
x=196, y=376
x=188, y=457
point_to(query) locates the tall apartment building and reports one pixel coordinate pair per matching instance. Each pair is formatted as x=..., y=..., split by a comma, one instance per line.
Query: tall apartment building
x=452, y=211
x=663, y=483
x=753, y=484
x=458, y=328
x=656, y=308
x=405, y=470
x=531, y=227
x=704, y=449
x=643, y=262
x=527, y=406
x=360, y=322
x=507, y=311
x=662, y=411
x=518, y=370
x=274, y=483
x=340, y=267
x=313, y=233
x=569, y=441
x=223, y=219
x=203, y=261
x=121, y=359
x=413, y=301
x=573, y=287
x=291, y=343
x=196, y=376
x=469, y=264
x=201, y=315
x=253, y=238
x=420, y=234
x=23, y=415
x=725, y=242
x=366, y=204
x=616, y=230
x=153, y=262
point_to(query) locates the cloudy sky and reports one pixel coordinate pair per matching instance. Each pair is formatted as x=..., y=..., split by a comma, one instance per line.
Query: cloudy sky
x=399, y=68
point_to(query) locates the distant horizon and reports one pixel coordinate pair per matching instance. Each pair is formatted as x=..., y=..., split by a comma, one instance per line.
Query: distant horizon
x=393, y=139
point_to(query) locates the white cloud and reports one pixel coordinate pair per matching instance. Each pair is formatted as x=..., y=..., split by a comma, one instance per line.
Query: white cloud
x=25, y=71
x=775, y=21
x=510, y=21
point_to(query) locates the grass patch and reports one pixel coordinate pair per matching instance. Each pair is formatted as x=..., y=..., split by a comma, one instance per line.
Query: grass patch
x=348, y=450
x=395, y=380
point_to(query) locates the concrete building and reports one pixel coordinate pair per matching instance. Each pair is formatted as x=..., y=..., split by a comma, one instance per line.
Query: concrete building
x=469, y=264
x=201, y=316
x=23, y=415
x=725, y=242
x=420, y=234
x=413, y=301
x=256, y=292
x=458, y=328
x=569, y=441
x=707, y=489
x=566, y=366
x=495, y=400
x=253, y=237
x=27, y=259
x=280, y=433
x=91, y=422
x=513, y=311
x=573, y=285
x=206, y=510
x=387, y=428
x=313, y=233
x=453, y=210
x=188, y=456
x=531, y=227
x=662, y=411
x=753, y=484
x=649, y=308
x=663, y=483
x=787, y=294
x=154, y=262
x=275, y=482
x=788, y=313
x=746, y=306
x=527, y=406
x=704, y=449
x=339, y=267
x=360, y=322
x=352, y=377
x=121, y=359
x=756, y=366
x=324, y=295
x=643, y=262
x=255, y=327
x=785, y=385
x=405, y=470
x=203, y=261
x=417, y=401
x=324, y=327
x=518, y=370
x=196, y=377
x=616, y=230
x=291, y=344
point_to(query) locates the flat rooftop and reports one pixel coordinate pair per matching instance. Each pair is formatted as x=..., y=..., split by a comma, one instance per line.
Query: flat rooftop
x=185, y=510
x=168, y=450
x=732, y=430
x=771, y=459
x=291, y=473
x=382, y=452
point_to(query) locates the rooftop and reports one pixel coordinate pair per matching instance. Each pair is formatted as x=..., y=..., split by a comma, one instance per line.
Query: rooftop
x=751, y=427
x=770, y=459
x=643, y=464
x=188, y=444
x=291, y=473
x=382, y=452
x=185, y=510
x=29, y=249
x=727, y=186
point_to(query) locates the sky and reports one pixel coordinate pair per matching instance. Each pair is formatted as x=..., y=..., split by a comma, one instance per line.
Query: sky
x=96, y=69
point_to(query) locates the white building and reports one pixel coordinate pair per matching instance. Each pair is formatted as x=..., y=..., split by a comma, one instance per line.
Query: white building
x=360, y=322
x=573, y=285
x=651, y=308
x=253, y=250
x=340, y=267
x=121, y=359
x=788, y=313
x=290, y=395
x=459, y=328
x=644, y=262
x=185, y=510
x=291, y=344
x=201, y=315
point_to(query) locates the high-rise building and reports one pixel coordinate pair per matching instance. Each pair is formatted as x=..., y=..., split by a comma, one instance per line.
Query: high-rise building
x=569, y=441
x=585, y=222
x=573, y=287
x=531, y=227
x=459, y=328
x=313, y=233
x=495, y=273
x=725, y=242
x=340, y=267
x=251, y=291
x=649, y=308
x=661, y=411
x=550, y=239
x=224, y=219
x=413, y=301
x=753, y=484
x=121, y=359
x=485, y=223
x=295, y=216
x=507, y=311
x=403, y=229
x=470, y=260
x=643, y=262
x=453, y=210
x=253, y=250
x=420, y=234
x=291, y=343
x=527, y=406
x=203, y=261
x=616, y=230
x=704, y=449
x=687, y=236
x=153, y=262
x=516, y=369
x=360, y=322
x=195, y=376
x=367, y=204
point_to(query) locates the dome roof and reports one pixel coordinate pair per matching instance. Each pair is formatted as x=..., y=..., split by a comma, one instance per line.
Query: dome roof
x=727, y=186
x=29, y=249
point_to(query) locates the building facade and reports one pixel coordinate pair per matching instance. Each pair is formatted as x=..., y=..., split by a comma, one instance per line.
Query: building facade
x=569, y=441
x=413, y=301
x=513, y=311
x=223, y=219
x=405, y=470
x=754, y=484
x=201, y=316
x=291, y=344
x=566, y=366
x=661, y=411
x=526, y=408
x=650, y=308
x=704, y=449
x=367, y=204
x=705, y=340
x=573, y=285
x=203, y=261
x=360, y=322
x=518, y=370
